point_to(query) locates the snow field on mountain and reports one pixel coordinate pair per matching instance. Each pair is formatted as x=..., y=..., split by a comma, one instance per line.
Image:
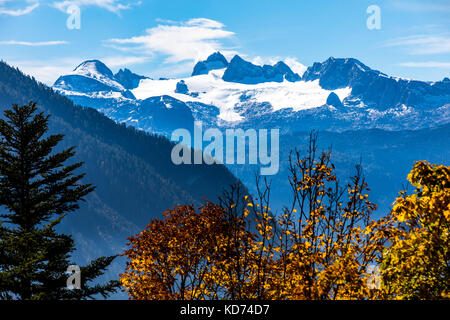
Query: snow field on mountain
x=89, y=69
x=212, y=90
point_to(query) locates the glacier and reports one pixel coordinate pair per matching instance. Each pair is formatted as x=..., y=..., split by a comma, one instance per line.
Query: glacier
x=336, y=95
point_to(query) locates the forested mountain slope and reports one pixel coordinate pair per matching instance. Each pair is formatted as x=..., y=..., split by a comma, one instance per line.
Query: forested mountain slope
x=135, y=178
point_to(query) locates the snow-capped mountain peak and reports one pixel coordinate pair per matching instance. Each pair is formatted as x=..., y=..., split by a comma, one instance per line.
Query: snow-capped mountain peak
x=336, y=72
x=92, y=77
x=213, y=62
x=128, y=79
x=93, y=69
x=337, y=94
x=97, y=70
x=242, y=71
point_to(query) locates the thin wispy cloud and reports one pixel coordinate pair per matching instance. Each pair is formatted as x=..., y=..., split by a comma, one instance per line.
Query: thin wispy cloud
x=48, y=70
x=422, y=44
x=426, y=64
x=414, y=6
x=172, y=70
x=115, y=6
x=45, y=71
x=206, y=23
x=292, y=62
x=123, y=61
x=178, y=41
x=33, y=44
x=181, y=44
x=15, y=11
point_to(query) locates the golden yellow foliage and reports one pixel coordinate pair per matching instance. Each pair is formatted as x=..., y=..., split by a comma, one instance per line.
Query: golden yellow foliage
x=417, y=263
x=325, y=245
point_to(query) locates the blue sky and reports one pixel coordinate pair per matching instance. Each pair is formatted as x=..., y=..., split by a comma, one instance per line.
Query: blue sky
x=165, y=38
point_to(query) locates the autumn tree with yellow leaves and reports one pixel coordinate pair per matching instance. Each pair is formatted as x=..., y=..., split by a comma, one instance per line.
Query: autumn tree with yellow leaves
x=324, y=249
x=416, y=265
x=324, y=245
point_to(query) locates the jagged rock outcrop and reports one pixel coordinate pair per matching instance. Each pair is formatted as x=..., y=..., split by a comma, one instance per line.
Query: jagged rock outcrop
x=213, y=62
x=242, y=71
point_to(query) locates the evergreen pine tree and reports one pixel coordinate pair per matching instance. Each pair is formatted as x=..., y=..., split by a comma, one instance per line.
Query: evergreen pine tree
x=37, y=190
